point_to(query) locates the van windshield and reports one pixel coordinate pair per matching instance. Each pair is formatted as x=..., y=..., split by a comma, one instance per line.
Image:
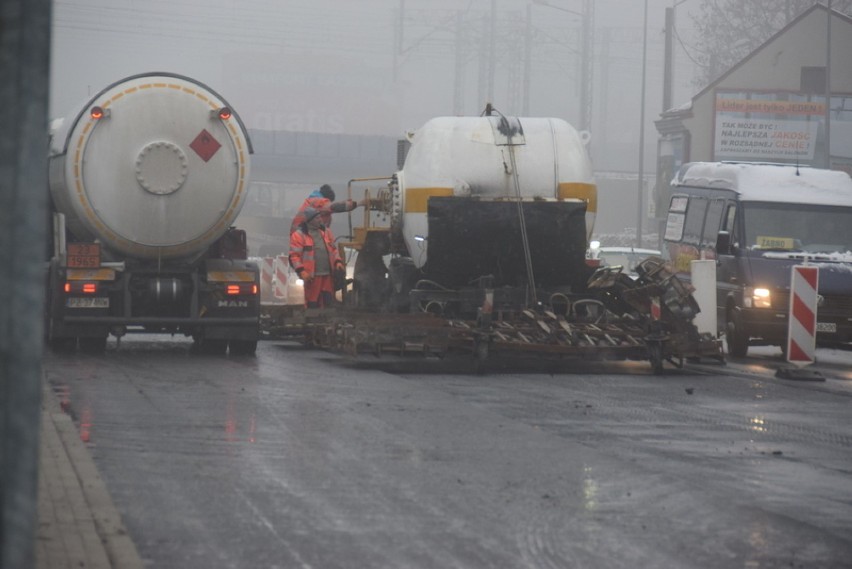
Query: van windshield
x=797, y=227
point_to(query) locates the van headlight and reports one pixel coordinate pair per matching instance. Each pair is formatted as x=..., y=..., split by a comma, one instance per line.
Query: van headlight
x=757, y=297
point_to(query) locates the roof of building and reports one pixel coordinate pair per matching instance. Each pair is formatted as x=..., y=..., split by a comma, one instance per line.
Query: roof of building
x=685, y=109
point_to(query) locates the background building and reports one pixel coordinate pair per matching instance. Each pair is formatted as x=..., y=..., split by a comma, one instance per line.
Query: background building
x=771, y=106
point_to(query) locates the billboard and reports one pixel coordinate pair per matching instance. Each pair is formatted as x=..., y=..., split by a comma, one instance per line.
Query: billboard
x=768, y=127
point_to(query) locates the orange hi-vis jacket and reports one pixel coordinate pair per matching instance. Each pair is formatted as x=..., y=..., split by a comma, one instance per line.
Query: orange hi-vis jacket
x=302, y=251
x=319, y=203
x=323, y=205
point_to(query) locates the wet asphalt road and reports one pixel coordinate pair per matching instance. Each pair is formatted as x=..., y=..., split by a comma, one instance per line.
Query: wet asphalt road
x=298, y=458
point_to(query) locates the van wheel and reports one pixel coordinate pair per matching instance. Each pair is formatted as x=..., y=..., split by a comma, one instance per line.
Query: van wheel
x=735, y=337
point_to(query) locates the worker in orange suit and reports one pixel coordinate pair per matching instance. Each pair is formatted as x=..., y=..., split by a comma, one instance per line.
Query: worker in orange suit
x=314, y=257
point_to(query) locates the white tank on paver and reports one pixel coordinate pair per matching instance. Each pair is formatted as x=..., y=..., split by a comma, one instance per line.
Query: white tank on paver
x=470, y=157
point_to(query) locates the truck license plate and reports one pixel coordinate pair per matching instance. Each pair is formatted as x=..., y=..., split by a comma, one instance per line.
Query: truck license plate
x=826, y=327
x=92, y=302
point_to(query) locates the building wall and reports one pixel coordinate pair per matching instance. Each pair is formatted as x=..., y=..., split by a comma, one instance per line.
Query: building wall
x=776, y=66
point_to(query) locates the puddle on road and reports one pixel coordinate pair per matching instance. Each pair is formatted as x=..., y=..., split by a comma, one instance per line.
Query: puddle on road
x=85, y=423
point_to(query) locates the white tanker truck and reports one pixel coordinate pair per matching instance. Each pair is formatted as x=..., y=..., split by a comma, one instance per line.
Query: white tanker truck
x=146, y=180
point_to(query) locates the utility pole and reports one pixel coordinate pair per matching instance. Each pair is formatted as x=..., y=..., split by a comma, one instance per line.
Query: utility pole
x=641, y=190
x=458, y=87
x=668, y=64
x=24, y=66
x=398, y=39
x=828, y=90
x=586, y=58
x=587, y=66
x=514, y=64
x=603, y=113
x=492, y=51
x=527, y=61
x=482, y=83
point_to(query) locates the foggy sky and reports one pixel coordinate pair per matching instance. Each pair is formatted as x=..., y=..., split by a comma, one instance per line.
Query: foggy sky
x=328, y=65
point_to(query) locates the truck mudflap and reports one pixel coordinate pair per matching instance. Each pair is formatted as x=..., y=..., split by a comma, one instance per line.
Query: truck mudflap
x=617, y=318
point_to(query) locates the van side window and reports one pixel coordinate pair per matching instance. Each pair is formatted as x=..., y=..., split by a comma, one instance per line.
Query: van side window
x=711, y=225
x=730, y=213
x=694, y=223
x=728, y=222
x=675, y=219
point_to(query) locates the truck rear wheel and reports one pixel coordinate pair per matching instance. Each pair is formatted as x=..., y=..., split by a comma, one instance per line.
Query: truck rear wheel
x=64, y=344
x=95, y=345
x=211, y=346
x=243, y=347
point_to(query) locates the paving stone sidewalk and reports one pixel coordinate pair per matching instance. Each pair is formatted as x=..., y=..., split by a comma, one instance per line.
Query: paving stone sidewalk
x=78, y=525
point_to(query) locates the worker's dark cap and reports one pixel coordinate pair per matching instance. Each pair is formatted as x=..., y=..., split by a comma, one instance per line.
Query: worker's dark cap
x=327, y=192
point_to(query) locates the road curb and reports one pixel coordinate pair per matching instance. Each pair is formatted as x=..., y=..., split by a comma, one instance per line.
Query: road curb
x=113, y=537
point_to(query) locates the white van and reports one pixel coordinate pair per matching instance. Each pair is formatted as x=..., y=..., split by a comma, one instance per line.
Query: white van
x=757, y=220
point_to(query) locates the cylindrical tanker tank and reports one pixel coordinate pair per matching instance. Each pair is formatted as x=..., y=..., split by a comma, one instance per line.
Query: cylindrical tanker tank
x=154, y=166
x=146, y=179
x=491, y=157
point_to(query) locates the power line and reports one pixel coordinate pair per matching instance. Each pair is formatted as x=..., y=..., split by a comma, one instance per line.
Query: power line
x=244, y=29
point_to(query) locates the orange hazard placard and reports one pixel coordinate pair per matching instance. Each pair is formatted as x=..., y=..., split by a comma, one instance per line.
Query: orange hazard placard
x=205, y=145
x=83, y=255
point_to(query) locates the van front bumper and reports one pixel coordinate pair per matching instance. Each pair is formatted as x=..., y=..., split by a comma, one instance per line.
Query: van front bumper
x=769, y=327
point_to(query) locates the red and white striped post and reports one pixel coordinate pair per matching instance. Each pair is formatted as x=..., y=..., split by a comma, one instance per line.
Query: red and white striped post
x=801, y=331
x=279, y=279
x=656, y=309
x=266, y=271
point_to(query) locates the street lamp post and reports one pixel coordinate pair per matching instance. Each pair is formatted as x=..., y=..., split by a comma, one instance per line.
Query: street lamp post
x=641, y=189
